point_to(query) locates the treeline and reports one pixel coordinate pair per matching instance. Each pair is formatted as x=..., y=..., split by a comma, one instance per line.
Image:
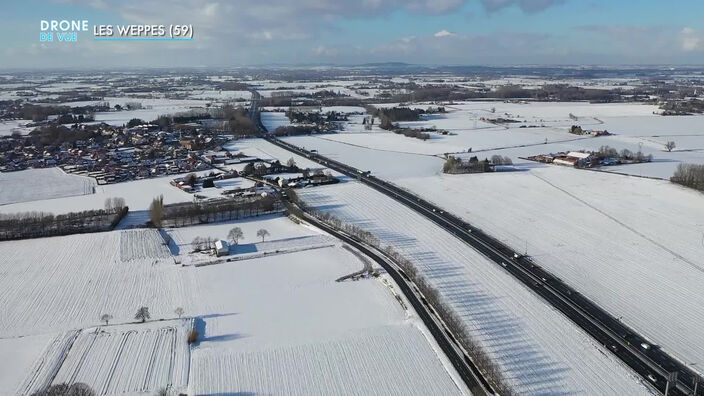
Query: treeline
x=40, y=224
x=451, y=319
x=606, y=152
x=689, y=175
x=286, y=101
x=293, y=130
x=555, y=92
x=54, y=135
x=74, y=119
x=42, y=112
x=185, y=214
x=455, y=165
x=683, y=107
x=411, y=132
x=306, y=117
x=395, y=114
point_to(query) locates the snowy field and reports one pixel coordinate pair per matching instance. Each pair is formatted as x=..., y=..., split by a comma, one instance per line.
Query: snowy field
x=650, y=231
x=634, y=126
x=539, y=350
x=329, y=338
x=138, y=196
x=123, y=359
x=272, y=120
x=25, y=351
x=41, y=184
x=61, y=283
x=632, y=245
x=9, y=127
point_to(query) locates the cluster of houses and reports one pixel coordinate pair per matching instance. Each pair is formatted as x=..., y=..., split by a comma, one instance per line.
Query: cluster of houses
x=115, y=154
x=571, y=158
x=606, y=156
x=578, y=130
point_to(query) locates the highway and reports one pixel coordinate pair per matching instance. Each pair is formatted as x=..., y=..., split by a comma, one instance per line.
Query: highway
x=649, y=361
x=469, y=373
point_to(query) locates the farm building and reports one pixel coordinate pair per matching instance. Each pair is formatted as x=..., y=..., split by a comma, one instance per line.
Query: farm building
x=222, y=248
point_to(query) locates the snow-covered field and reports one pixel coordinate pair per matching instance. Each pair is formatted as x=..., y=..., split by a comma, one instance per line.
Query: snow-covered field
x=538, y=349
x=124, y=359
x=272, y=120
x=41, y=184
x=634, y=125
x=282, y=325
x=61, y=283
x=647, y=267
x=24, y=352
x=384, y=361
x=138, y=196
x=632, y=245
x=9, y=127
x=278, y=324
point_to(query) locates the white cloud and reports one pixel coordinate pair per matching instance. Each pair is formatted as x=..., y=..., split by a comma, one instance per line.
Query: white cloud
x=444, y=33
x=692, y=40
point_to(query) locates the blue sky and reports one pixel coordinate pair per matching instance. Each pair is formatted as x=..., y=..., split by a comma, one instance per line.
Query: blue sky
x=470, y=32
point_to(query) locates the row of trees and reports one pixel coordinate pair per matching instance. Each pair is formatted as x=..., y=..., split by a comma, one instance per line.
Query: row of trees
x=184, y=214
x=234, y=236
x=40, y=224
x=451, y=319
x=410, y=132
x=455, y=165
x=623, y=155
x=690, y=175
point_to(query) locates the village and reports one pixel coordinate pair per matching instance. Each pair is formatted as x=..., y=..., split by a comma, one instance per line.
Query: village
x=112, y=154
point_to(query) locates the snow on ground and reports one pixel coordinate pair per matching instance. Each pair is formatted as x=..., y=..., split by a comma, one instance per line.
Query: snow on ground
x=278, y=229
x=41, y=184
x=272, y=120
x=125, y=359
x=151, y=109
x=378, y=151
x=60, y=283
x=8, y=127
x=385, y=361
x=264, y=150
x=24, y=351
x=632, y=245
x=282, y=325
x=221, y=95
x=276, y=325
x=138, y=195
x=540, y=351
x=224, y=185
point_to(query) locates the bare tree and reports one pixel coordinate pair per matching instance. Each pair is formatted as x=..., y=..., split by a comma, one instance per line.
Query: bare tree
x=179, y=311
x=197, y=244
x=235, y=235
x=108, y=204
x=669, y=145
x=106, y=318
x=291, y=163
x=262, y=233
x=156, y=211
x=142, y=314
x=162, y=392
